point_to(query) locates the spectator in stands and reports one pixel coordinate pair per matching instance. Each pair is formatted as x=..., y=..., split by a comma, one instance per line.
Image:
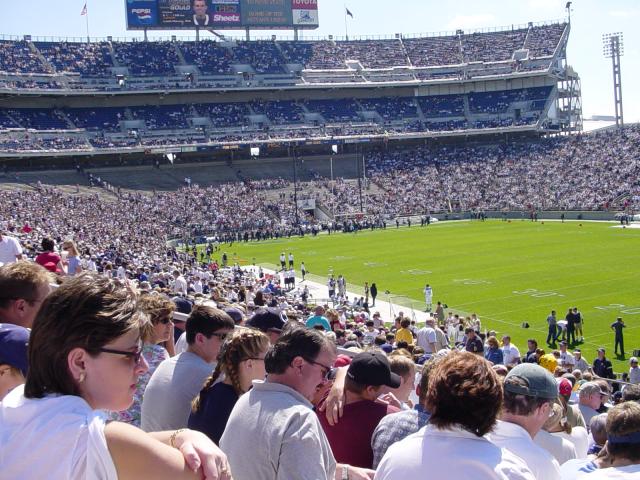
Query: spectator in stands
x=396, y=426
x=510, y=353
x=269, y=321
x=177, y=380
x=23, y=288
x=277, y=415
x=403, y=334
x=73, y=258
x=464, y=397
x=318, y=319
x=241, y=360
x=634, y=371
x=493, y=353
x=623, y=438
x=581, y=363
x=401, y=363
x=13, y=357
x=529, y=394
x=350, y=438
x=590, y=397
x=473, y=343
x=426, y=336
x=84, y=357
x=10, y=249
x=154, y=333
x=602, y=366
x=548, y=437
x=48, y=258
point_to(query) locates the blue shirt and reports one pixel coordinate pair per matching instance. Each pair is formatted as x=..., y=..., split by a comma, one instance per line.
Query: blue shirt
x=395, y=427
x=318, y=320
x=216, y=404
x=494, y=355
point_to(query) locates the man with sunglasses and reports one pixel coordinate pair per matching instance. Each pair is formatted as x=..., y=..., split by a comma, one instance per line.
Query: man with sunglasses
x=277, y=414
x=167, y=399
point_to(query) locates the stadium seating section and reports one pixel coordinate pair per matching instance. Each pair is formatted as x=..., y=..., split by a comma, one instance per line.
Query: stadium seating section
x=160, y=59
x=261, y=120
x=140, y=121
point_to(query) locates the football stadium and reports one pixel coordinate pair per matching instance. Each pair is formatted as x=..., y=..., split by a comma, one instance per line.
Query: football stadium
x=233, y=226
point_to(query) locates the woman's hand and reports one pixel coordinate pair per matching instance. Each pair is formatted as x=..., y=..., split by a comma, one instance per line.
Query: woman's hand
x=200, y=452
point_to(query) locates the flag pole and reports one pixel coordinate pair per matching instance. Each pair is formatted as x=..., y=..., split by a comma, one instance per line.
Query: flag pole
x=346, y=30
x=87, y=20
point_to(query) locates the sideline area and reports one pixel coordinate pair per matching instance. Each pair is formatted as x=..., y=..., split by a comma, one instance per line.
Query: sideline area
x=318, y=292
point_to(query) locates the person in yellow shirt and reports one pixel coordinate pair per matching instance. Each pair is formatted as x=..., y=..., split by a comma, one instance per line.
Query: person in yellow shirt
x=403, y=334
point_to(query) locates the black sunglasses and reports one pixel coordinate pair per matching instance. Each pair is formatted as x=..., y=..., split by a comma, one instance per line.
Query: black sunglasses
x=221, y=336
x=135, y=356
x=329, y=372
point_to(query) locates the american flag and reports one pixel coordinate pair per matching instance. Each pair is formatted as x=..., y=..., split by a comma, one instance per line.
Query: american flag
x=84, y=10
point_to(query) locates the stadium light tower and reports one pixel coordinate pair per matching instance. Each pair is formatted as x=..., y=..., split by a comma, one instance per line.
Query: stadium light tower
x=613, y=48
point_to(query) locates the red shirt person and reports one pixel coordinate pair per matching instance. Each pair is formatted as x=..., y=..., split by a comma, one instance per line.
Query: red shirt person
x=366, y=379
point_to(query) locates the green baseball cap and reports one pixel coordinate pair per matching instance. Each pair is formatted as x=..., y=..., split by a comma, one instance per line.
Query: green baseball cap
x=539, y=382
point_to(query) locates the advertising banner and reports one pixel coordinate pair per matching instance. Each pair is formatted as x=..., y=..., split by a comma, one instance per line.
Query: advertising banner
x=142, y=13
x=221, y=14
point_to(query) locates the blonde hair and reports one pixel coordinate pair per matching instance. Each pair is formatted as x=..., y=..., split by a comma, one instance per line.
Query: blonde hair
x=73, y=250
x=242, y=344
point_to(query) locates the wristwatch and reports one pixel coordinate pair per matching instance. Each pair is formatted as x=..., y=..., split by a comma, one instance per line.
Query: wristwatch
x=345, y=472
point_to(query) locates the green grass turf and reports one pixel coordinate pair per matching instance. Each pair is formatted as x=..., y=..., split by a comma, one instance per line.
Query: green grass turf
x=507, y=273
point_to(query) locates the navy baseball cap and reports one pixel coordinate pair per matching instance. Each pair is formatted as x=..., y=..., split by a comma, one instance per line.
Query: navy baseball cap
x=268, y=319
x=14, y=341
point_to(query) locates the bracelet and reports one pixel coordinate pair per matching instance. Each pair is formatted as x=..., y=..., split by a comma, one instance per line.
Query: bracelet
x=345, y=472
x=172, y=438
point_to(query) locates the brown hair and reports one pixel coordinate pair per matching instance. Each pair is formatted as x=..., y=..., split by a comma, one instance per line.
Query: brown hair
x=623, y=420
x=87, y=311
x=517, y=404
x=156, y=307
x=464, y=390
x=424, y=379
x=243, y=344
x=493, y=342
x=21, y=280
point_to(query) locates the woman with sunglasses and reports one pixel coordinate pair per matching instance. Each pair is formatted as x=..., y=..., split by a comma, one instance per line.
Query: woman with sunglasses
x=241, y=360
x=154, y=334
x=85, y=356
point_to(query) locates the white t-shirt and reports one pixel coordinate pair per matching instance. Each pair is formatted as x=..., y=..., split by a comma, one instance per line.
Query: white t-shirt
x=516, y=439
x=562, y=449
x=425, y=337
x=56, y=437
x=567, y=360
x=510, y=354
x=454, y=453
x=630, y=472
x=580, y=439
x=9, y=249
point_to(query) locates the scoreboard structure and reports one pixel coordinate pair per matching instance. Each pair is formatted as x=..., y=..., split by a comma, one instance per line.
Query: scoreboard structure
x=221, y=14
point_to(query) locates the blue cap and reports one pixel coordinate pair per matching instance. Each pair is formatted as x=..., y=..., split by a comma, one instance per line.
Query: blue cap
x=14, y=341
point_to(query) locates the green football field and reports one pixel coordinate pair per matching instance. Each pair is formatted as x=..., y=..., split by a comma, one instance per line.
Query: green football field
x=506, y=272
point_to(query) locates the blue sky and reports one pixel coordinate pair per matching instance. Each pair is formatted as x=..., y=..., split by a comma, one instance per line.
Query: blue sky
x=590, y=19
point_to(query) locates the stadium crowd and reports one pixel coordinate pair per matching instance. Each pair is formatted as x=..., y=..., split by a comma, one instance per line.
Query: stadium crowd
x=164, y=358
x=91, y=66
